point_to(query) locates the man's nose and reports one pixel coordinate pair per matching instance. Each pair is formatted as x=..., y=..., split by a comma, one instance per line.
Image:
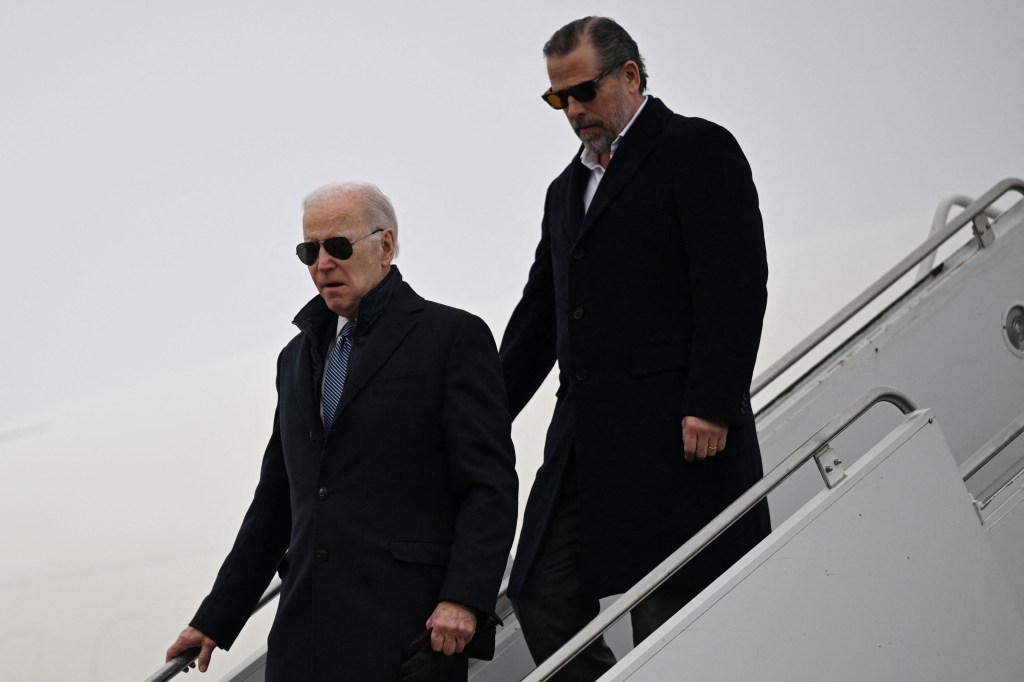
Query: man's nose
x=324, y=260
x=574, y=107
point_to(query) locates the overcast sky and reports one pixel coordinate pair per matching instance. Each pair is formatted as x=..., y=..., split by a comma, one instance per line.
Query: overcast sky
x=153, y=158
x=152, y=163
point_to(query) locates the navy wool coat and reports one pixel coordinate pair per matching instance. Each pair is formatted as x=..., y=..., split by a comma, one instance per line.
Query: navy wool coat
x=652, y=305
x=408, y=500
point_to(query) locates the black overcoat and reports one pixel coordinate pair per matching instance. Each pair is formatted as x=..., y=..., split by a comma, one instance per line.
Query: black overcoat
x=652, y=304
x=410, y=499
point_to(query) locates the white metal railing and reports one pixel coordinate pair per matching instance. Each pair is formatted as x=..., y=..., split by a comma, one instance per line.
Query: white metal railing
x=175, y=665
x=815, y=447
x=974, y=215
x=993, y=447
x=939, y=222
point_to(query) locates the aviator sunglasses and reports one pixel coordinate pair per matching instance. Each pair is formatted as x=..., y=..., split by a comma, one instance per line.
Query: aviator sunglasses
x=581, y=92
x=337, y=247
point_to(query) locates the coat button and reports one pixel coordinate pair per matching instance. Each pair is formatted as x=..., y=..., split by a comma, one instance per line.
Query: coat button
x=582, y=374
x=579, y=253
x=577, y=314
x=321, y=494
x=321, y=556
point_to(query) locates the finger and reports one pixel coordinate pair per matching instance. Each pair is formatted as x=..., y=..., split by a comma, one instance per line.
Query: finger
x=205, y=655
x=689, y=443
x=702, y=445
x=449, y=646
x=436, y=640
x=180, y=645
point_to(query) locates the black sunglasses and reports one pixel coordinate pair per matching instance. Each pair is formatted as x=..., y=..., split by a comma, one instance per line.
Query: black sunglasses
x=337, y=247
x=581, y=92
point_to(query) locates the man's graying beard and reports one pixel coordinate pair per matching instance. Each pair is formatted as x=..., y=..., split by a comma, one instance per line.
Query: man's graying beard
x=601, y=142
x=598, y=143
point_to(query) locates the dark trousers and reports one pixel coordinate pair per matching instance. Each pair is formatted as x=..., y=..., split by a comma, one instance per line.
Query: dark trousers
x=552, y=606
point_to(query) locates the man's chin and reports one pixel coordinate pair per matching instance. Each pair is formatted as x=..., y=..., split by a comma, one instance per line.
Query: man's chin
x=337, y=305
x=594, y=146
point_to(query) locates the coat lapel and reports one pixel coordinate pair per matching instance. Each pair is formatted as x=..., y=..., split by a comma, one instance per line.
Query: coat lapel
x=578, y=176
x=305, y=385
x=378, y=343
x=313, y=321
x=635, y=147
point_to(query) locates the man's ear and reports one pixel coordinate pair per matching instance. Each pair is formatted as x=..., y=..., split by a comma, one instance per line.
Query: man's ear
x=387, y=246
x=632, y=74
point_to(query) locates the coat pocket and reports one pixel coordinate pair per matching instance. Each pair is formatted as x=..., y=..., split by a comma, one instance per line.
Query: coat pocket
x=651, y=358
x=421, y=552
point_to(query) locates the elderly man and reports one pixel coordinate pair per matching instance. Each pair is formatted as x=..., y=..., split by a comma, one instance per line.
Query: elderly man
x=387, y=494
x=648, y=288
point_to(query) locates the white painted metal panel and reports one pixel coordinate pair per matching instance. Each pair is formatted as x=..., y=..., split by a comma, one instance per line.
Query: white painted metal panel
x=1004, y=525
x=888, y=576
x=943, y=345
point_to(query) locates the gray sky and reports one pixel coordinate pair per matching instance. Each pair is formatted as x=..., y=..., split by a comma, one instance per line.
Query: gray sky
x=152, y=164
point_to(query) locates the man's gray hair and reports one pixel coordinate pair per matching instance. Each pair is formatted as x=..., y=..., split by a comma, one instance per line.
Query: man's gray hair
x=379, y=209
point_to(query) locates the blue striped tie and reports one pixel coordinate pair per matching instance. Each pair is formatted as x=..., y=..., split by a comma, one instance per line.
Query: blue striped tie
x=334, y=377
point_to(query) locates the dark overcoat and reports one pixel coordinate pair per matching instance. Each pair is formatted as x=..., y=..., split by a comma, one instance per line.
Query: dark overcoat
x=652, y=304
x=408, y=500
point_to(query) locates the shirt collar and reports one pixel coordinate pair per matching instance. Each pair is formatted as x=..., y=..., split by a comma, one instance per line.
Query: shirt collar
x=315, y=315
x=373, y=303
x=590, y=159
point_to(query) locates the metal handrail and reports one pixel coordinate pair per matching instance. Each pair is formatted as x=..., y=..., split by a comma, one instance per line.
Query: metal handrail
x=975, y=211
x=716, y=527
x=939, y=222
x=993, y=447
x=175, y=665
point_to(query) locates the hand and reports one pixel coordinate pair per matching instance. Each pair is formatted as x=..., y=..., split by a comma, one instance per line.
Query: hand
x=452, y=625
x=190, y=637
x=420, y=663
x=703, y=438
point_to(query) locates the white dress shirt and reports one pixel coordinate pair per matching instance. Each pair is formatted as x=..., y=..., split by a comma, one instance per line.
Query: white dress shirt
x=590, y=160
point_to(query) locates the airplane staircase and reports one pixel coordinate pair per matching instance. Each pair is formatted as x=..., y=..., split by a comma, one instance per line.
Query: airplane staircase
x=898, y=541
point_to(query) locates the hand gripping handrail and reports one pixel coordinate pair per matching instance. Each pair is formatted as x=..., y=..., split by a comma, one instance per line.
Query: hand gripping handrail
x=174, y=666
x=993, y=447
x=974, y=213
x=716, y=527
